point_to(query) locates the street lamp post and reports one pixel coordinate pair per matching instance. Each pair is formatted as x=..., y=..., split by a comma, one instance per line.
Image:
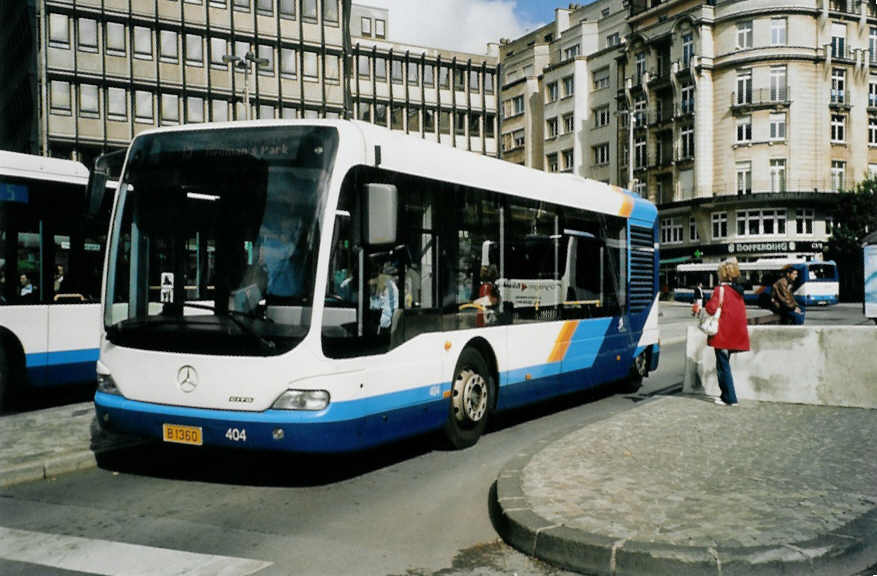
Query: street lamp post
x=244, y=64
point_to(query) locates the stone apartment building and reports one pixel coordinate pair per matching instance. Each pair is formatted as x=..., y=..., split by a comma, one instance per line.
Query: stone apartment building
x=748, y=115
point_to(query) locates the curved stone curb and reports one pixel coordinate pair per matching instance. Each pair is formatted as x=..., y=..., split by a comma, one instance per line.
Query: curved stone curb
x=845, y=551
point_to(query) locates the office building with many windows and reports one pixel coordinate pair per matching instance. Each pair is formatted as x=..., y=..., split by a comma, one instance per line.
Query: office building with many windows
x=439, y=95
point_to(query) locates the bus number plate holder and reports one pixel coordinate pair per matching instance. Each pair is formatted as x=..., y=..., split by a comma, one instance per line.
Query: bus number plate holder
x=182, y=434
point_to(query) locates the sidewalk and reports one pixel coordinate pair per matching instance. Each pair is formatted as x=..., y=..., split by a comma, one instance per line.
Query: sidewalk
x=682, y=486
x=44, y=443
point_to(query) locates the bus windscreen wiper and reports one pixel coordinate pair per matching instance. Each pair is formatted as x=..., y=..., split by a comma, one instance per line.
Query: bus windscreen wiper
x=233, y=316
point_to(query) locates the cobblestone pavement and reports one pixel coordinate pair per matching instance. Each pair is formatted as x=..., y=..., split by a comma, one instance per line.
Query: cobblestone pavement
x=44, y=443
x=683, y=472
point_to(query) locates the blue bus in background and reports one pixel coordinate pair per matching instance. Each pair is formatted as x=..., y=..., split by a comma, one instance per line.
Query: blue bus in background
x=817, y=283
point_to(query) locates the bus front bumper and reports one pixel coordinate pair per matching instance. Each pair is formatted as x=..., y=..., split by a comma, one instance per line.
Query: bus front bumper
x=287, y=430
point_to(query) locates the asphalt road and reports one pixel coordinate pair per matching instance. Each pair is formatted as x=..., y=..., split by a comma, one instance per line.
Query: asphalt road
x=409, y=509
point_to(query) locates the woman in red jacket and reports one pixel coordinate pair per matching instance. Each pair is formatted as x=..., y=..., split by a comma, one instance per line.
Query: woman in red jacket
x=733, y=335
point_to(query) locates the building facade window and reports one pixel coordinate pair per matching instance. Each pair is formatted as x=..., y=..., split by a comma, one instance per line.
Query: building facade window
x=778, y=126
x=218, y=49
x=459, y=79
x=87, y=35
x=287, y=8
x=838, y=175
x=333, y=71
x=170, y=108
x=872, y=44
x=568, y=86
x=551, y=128
x=380, y=28
x=613, y=39
x=265, y=7
x=572, y=51
x=310, y=66
x=687, y=141
x=142, y=42
x=116, y=38
x=601, y=79
x=777, y=83
x=687, y=49
x=59, y=100
x=872, y=130
x=601, y=117
x=428, y=75
x=309, y=9
x=671, y=231
x=194, y=50
x=568, y=160
x=143, y=106
x=687, y=98
x=474, y=80
x=380, y=68
x=872, y=92
x=778, y=175
x=640, y=64
x=838, y=40
x=744, y=129
x=219, y=110
x=330, y=11
x=366, y=26
x=744, y=87
x=778, y=31
x=266, y=52
x=693, y=236
x=288, y=62
x=640, y=153
x=413, y=73
x=568, y=123
x=168, y=45
x=194, y=109
x=551, y=162
x=601, y=154
x=838, y=128
x=551, y=92
x=744, y=34
x=720, y=225
x=117, y=104
x=838, y=85
x=744, y=178
x=804, y=221
x=59, y=30
x=88, y=100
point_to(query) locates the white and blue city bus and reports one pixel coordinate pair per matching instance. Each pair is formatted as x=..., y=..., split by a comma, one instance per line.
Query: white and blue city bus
x=324, y=286
x=51, y=257
x=817, y=283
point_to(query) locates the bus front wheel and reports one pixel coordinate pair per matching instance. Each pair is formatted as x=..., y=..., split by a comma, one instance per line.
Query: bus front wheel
x=471, y=396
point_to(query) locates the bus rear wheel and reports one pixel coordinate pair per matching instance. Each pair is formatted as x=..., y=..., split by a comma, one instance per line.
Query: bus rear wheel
x=471, y=395
x=638, y=371
x=10, y=378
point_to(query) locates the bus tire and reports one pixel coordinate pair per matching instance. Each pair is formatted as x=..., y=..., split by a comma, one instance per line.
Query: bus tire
x=11, y=374
x=638, y=371
x=472, y=392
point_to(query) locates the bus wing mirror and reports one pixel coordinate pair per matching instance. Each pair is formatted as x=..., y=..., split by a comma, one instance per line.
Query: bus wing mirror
x=106, y=168
x=381, y=207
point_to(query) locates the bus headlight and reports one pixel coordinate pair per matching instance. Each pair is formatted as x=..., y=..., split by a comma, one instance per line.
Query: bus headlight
x=105, y=382
x=302, y=400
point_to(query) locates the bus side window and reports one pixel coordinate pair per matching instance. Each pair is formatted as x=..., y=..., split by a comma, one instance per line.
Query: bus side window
x=477, y=267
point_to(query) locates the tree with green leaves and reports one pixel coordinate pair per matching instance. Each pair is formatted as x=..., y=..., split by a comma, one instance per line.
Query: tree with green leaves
x=855, y=216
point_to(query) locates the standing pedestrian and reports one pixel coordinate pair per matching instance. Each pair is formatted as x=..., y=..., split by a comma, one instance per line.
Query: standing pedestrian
x=733, y=335
x=784, y=301
x=698, y=299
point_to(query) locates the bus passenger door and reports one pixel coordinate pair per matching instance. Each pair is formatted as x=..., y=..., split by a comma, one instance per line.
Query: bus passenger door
x=27, y=314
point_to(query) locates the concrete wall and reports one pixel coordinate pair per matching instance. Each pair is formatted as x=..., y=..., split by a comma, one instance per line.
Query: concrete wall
x=824, y=365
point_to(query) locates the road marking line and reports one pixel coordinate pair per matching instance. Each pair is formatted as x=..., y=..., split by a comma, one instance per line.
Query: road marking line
x=116, y=558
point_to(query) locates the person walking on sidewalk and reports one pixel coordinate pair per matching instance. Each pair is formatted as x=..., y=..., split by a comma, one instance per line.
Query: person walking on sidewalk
x=784, y=301
x=733, y=335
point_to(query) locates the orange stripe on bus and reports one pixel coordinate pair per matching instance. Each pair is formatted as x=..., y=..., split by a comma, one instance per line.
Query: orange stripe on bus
x=563, y=340
x=626, y=206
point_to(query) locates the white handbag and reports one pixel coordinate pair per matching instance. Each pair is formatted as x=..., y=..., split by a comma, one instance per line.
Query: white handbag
x=709, y=324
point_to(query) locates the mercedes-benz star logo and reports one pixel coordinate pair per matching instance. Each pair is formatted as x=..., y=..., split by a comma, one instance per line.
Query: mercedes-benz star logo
x=187, y=379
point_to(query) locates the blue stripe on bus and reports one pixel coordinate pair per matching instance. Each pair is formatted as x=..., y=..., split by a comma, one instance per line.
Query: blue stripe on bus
x=62, y=357
x=598, y=353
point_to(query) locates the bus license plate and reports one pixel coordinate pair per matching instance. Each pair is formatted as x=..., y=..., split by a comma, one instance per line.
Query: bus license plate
x=182, y=434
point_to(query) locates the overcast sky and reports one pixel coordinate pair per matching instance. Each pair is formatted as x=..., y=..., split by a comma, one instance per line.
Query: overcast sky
x=465, y=25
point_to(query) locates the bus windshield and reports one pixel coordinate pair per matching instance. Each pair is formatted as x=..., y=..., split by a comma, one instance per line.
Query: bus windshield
x=214, y=241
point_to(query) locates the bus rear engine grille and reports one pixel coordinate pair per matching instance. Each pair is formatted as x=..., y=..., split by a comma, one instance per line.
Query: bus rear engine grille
x=642, y=269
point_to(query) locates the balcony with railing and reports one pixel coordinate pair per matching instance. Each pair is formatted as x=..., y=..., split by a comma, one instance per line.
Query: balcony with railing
x=661, y=117
x=853, y=7
x=841, y=52
x=760, y=98
x=685, y=108
x=840, y=99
